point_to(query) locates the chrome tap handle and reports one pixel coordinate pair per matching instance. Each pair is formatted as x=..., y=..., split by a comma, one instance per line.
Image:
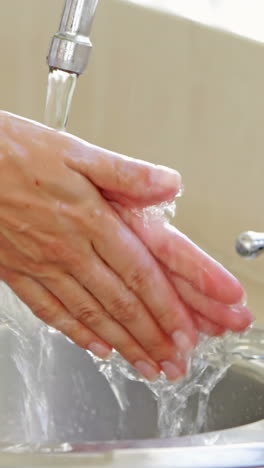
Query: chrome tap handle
x=70, y=47
x=250, y=244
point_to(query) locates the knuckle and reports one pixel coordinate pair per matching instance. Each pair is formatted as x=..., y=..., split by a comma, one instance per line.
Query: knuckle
x=124, y=311
x=89, y=277
x=137, y=279
x=89, y=315
x=90, y=223
x=167, y=321
x=122, y=178
x=146, y=175
x=56, y=249
x=41, y=271
x=41, y=311
x=162, y=250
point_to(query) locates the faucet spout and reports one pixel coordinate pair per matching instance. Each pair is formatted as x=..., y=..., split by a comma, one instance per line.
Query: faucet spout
x=71, y=46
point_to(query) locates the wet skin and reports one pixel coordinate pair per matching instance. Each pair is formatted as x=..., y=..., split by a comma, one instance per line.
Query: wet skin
x=73, y=250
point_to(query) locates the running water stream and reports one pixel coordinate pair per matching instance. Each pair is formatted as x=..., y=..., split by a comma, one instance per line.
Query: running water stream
x=60, y=90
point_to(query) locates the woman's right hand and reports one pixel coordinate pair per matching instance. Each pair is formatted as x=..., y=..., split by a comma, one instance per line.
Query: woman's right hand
x=213, y=296
x=68, y=255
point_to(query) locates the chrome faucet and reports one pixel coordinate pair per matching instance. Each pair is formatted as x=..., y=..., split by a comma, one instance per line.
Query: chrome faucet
x=70, y=46
x=250, y=244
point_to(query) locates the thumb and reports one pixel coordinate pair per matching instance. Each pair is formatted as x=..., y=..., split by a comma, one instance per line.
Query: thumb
x=129, y=181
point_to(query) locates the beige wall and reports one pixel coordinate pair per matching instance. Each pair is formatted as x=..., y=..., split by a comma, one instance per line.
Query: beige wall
x=26, y=28
x=167, y=90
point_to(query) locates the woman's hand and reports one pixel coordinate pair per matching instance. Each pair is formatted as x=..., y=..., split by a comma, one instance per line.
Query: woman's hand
x=213, y=296
x=68, y=255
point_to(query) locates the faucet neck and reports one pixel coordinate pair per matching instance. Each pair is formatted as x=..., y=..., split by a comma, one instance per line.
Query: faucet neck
x=71, y=46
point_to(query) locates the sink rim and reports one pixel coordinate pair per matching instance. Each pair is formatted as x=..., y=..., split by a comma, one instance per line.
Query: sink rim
x=126, y=453
x=206, y=439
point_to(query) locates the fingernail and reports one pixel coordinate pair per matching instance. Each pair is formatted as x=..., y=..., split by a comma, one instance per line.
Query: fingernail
x=242, y=317
x=244, y=299
x=99, y=350
x=182, y=341
x=169, y=177
x=170, y=370
x=242, y=310
x=145, y=369
x=242, y=302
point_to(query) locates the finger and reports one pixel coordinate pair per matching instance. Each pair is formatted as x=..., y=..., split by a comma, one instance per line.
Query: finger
x=124, y=306
x=86, y=309
x=129, y=181
x=206, y=326
x=203, y=324
x=50, y=310
x=236, y=318
x=131, y=261
x=180, y=255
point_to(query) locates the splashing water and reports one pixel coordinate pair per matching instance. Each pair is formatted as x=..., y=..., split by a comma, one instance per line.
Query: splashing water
x=33, y=358
x=176, y=416
x=61, y=86
x=181, y=406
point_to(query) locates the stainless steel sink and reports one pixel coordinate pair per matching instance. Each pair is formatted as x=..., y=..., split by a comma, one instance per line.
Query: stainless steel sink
x=57, y=409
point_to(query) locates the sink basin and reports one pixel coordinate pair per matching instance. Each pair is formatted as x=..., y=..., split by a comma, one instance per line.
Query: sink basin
x=61, y=397
x=54, y=400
